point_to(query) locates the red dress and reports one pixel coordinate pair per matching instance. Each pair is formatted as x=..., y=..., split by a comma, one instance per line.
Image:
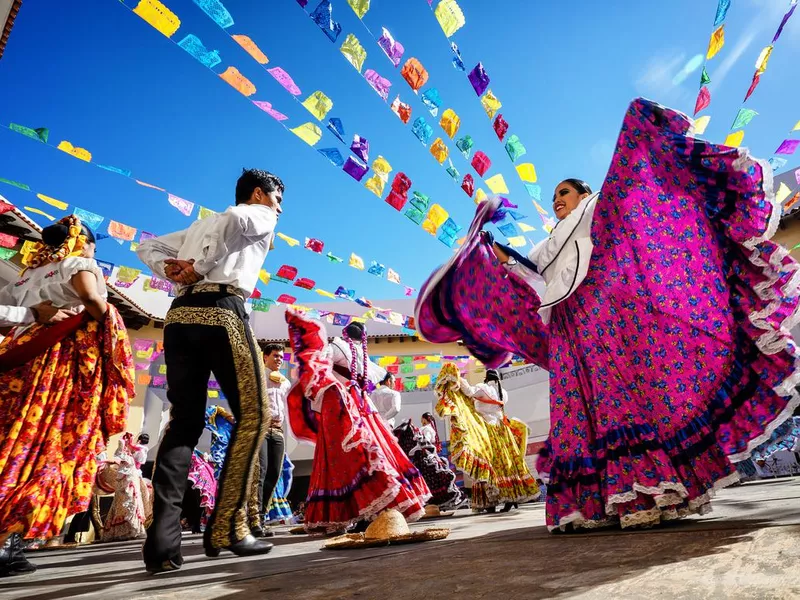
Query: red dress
x=359, y=470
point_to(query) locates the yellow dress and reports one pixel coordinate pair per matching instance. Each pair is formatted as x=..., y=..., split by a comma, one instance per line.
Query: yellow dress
x=492, y=454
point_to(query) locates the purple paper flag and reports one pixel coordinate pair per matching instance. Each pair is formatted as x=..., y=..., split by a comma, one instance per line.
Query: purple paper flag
x=788, y=147
x=184, y=206
x=797, y=176
x=285, y=80
x=302, y=3
x=393, y=49
x=267, y=108
x=159, y=381
x=355, y=168
x=479, y=79
x=360, y=147
x=341, y=320
x=145, y=235
x=786, y=18
x=142, y=345
x=378, y=83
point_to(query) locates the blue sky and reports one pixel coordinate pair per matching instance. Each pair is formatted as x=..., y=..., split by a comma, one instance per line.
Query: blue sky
x=103, y=79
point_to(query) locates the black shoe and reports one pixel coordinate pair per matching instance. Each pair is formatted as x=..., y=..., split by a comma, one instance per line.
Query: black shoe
x=249, y=546
x=491, y=510
x=12, y=558
x=268, y=532
x=257, y=532
x=507, y=507
x=172, y=564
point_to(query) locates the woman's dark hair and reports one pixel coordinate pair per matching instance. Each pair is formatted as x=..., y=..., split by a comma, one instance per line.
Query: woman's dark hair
x=429, y=416
x=386, y=378
x=55, y=234
x=492, y=375
x=256, y=178
x=355, y=331
x=144, y=438
x=579, y=185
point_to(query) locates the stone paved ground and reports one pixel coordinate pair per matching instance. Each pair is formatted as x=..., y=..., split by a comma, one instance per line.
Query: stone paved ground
x=749, y=547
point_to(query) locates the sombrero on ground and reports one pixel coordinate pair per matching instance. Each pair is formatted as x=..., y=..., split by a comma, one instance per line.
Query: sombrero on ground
x=389, y=528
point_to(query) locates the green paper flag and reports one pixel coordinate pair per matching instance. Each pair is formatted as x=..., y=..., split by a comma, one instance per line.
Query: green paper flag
x=334, y=259
x=744, y=117
x=6, y=253
x=795, y=248
x=41, y=134
x=409, y=385
x=21, y=186
x=704, y=78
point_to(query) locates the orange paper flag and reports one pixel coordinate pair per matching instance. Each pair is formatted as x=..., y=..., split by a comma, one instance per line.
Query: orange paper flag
x=238, y=81
x=251, y=48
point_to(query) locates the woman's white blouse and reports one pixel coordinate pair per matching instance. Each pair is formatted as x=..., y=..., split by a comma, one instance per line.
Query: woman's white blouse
x=52, y=282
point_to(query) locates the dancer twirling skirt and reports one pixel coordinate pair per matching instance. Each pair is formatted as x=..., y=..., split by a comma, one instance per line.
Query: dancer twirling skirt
x=664, y=323
x=437, y=474
x=357, y=471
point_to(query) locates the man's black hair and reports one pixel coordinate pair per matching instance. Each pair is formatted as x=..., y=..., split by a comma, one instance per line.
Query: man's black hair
x=256, y=178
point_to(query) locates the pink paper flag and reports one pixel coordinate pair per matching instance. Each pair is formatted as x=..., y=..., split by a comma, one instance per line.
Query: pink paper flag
x=797, y=176
x=703, y=99
x=267, y=108
x=788, y=147
x=285, y=80
x=409, y=290
x=142, y=344
x=184, y=206
x=150, y=185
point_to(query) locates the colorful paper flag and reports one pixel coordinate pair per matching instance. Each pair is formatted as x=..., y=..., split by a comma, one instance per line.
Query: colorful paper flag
x=788, y=147
x=251, y=48
x=703, y=100
x=414, y=73
x=318, y=104
x=497, y=184
x=527, y=172
x=79, y=153
x=323, y=17
x=380, y=84
x=239, y=82
x=450, y=16
x=353, y=51
x=356, y=262
x=52, y=202
x=195, y=47
x=121, y=231
x=450, y=122
x=701, y=124
x=439, y=150
x=204, y=213
x=716, y=42
x=393, y=49
x=158, y=16
x=308, y=132
x=360, y=7
x=734, y=139
x=185, y=207
x=490, y=104
x=289, y=240
x=283, y=78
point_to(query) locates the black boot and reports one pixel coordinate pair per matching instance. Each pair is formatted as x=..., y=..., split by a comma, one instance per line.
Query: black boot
x=249, y=546
x=12, y=558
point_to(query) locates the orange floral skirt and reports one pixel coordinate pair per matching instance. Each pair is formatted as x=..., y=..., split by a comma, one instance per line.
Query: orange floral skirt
x=57, y=411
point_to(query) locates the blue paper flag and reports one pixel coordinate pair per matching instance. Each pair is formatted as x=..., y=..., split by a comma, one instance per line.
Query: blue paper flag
x=432, y=100
x=517, y=216
x=336, y=128
x=90, y=219
x=333, y=155
x=450, y=227
x=217, y=11
x=192, y=44
x=342, y=292
x=722, y=10
x=457, y=62
x=125, y=172
x=777, y=162
x=106, y=267
x=376, y=269
x=508, y=230
x=323, y=16
x=534, y=191
x=422, y=130
x=447, y=239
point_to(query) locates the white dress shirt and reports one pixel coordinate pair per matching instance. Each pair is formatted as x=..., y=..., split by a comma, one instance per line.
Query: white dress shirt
x=228, y=248
x=277, y=389
x=563, y=258
x=51, y=282
x=428, y=433
x=10, y=316
x=487, y=400
x=387, y=401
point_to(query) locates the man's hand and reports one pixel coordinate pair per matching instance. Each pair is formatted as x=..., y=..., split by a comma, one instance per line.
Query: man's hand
x=181, y=271
x=47, y=313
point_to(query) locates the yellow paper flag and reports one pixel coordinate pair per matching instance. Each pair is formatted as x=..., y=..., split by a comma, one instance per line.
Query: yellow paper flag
x=36, y=211
x=264, y=276
x=360, y=7
x=438, y=215
x=375, y=184
x=356, y=262
x=796, y=127
x=251, y=48
x=325, y=294
x=162, y=369
x=353, y=51
x=318, y=104
x=450, y=122
x=420, y=366
x=480, y=196
x=450, y=16
x=434, y=359
x=497, y=184
x=213, y=394
x=763, y=59
x=52, y=201
x=134, y=247
x=204, y=213
x=517, y=241
x=79, y=153
x=429, y=226
x=158, y=16
x=423, y=381
x=527, y=172
x=28, y=247
x=238, y=81
x=289, y=240
x=308, y=132
x=385, y=361
x=716, y=42
x=439, y=150
x=490, y=104
x=382, y=167
x=701, y=124
x=782, y=193
x=734, y=139
x=539, y=208
x=525, y=227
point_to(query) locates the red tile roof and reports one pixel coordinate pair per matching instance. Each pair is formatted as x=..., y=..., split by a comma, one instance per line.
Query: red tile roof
x=12, y=15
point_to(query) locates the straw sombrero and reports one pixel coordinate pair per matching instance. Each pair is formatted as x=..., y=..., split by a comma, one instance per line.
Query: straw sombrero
x=389, y=528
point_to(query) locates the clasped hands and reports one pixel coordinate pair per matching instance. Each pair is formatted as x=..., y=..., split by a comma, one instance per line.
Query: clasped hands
x=181, y=271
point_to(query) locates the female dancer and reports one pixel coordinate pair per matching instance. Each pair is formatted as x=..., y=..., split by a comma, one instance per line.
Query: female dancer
x=64, y=389
x=664, y=324
x=132, y=508
x=358, y=469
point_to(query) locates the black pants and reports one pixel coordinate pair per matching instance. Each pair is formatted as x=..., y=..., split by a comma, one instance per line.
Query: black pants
x=205, y=333
x=270, y=460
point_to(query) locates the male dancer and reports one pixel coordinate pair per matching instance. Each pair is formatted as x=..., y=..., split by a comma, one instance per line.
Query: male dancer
x=207, y=330
x=270, y=457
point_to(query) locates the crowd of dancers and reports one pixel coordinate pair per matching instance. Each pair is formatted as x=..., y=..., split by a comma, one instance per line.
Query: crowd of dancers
x=659, y=306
